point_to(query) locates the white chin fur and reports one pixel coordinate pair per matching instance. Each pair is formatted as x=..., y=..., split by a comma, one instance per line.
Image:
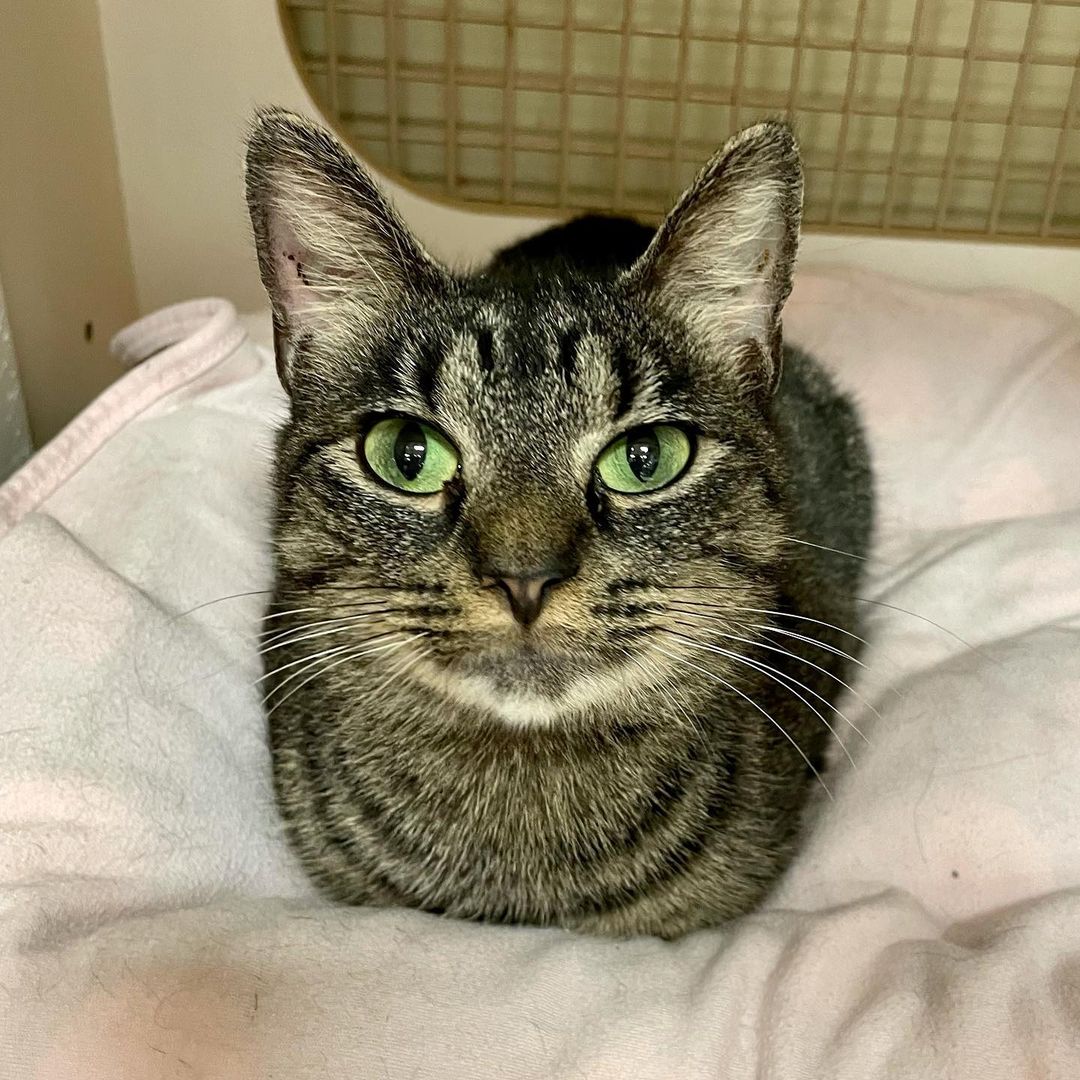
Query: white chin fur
x=532, y=710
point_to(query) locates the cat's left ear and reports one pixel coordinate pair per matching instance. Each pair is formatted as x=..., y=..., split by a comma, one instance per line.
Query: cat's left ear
x=332, y=250
x=722, y=260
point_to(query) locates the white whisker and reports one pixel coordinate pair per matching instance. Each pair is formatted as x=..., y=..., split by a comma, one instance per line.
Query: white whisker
x=293, y=663
x=806, y=618
x=782, y=679
x=667, y=687
x=751, y=701
x=344, y=623
x=325, y=607
x=291, y=611
x=794, y=656
x=356, y=655
x=397, y=671
x=814, y=641
x=823, y=547
x=829, y=625
x=219, y=599
x=921, y=618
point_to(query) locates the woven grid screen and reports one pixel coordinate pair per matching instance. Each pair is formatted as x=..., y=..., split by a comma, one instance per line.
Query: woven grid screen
x=941, y=117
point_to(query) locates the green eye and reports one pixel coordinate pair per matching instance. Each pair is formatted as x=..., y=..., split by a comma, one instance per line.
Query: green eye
x=644, y=459
x=409, y=455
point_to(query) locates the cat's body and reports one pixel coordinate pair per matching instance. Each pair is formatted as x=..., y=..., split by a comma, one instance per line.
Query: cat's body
x=630, y=749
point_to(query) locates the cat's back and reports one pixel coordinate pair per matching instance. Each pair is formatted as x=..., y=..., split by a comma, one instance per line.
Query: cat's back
x=829, y=461
x=595, y=245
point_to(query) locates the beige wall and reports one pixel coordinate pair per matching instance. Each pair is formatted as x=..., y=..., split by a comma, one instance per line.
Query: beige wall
x=63, y=246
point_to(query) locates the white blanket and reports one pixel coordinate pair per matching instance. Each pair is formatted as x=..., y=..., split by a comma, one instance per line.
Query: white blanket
x=153, y=924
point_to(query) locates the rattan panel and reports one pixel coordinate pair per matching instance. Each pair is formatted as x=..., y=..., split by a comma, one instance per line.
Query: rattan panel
x=941, y=117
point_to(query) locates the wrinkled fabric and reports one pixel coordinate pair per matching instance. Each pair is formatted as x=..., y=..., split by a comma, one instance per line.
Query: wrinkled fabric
x=153, y=922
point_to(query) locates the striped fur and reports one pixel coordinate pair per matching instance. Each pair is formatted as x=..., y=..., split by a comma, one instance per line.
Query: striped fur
x=600, y=769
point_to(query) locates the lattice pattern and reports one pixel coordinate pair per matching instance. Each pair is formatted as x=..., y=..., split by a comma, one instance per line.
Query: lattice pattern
x=941, y=117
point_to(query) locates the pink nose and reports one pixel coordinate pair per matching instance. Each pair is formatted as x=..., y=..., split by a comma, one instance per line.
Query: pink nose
x=525, y=592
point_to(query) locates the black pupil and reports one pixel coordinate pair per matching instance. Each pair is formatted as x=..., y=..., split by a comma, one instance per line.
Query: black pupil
x=642, y=452
x=410, y=449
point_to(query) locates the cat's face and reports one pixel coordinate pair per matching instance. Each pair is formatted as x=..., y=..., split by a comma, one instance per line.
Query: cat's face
x=517, y=475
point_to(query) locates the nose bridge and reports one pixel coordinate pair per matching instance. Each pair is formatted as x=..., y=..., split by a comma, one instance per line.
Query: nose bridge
x=526, y=532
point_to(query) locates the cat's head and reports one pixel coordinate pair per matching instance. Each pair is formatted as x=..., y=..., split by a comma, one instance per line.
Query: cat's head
x=514, y=474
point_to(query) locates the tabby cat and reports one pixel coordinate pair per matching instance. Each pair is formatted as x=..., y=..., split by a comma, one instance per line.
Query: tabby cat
x=554, y=635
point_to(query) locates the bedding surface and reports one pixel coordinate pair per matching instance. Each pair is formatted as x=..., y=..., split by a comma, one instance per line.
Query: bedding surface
x=153, y=924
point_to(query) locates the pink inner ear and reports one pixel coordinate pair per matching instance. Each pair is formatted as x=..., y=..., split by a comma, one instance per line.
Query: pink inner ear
x=295, y=259
x=295, y=294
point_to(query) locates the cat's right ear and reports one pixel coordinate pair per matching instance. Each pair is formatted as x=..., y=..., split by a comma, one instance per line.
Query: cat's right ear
x=332, y=250
x=722, y=260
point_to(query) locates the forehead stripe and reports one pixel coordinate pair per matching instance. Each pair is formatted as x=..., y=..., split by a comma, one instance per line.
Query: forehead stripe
x=625, y=379
x=568, y=348
x=485, y=348
x=428, y=362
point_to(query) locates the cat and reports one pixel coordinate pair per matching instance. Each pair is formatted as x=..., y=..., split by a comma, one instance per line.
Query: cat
x=565, y=549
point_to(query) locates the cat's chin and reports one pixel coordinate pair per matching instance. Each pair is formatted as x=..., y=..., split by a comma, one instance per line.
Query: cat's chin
x=530, y=685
